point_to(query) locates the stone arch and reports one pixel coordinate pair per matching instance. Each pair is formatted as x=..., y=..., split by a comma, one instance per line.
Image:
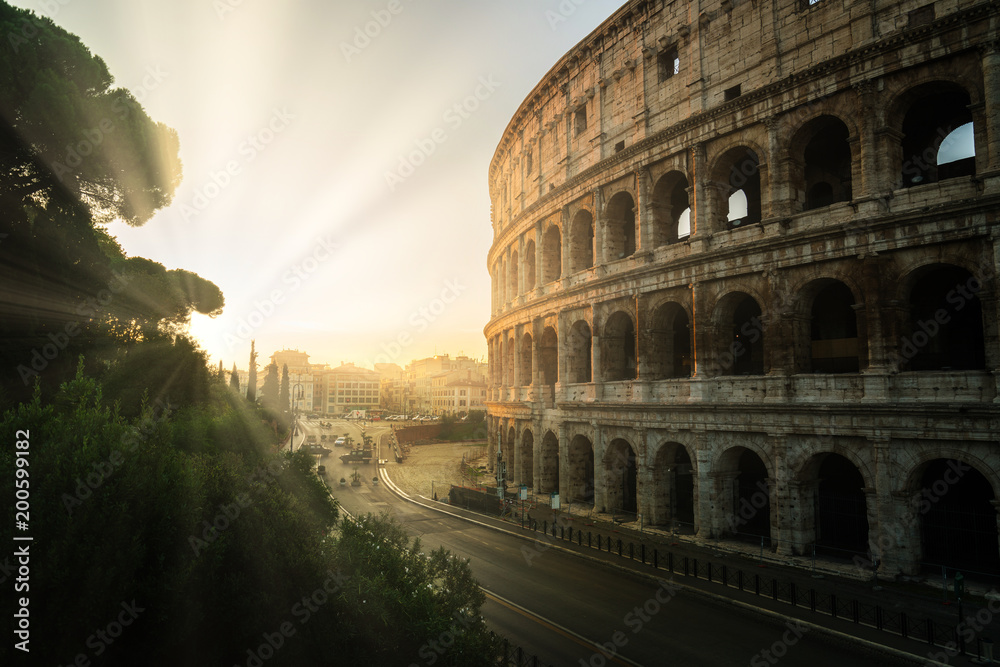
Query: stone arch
x=828, y=337
x=671, y=209
x=621, y=476
x=739, y=321
x=581, y=470
x=735, y=174
x=579, y=355
x=833, y=487
x=670, y=342
x=618, y=348
x=551, y=255
x=581, y=241
x=674, y=483
x=924, y=115
x=936, y=333
x=548, y=467
x=820, y=153
x=744, y=492
x=956, y=511
x=619, y=227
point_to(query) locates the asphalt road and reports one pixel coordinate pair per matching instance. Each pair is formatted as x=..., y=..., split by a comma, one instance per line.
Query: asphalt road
x=571, y=611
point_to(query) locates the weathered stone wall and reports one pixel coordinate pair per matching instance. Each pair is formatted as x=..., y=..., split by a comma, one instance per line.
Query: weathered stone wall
x=615, y=329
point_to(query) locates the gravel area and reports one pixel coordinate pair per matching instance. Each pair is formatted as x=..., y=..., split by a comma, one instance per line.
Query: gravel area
x=439, y=463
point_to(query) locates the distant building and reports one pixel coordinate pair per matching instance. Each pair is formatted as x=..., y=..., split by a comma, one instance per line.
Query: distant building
x=349, y=387
x=451, y=395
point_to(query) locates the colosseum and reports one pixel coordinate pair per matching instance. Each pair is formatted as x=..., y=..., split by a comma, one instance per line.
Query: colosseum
x=744, y=277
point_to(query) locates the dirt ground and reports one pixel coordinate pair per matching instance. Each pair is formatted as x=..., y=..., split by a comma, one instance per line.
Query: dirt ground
x=438, y=463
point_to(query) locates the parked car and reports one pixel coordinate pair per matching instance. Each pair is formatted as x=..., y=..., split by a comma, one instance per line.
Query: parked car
x=316, y=449
x=340, y=442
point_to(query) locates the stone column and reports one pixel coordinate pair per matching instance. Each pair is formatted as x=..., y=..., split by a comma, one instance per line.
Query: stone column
x=990, y=53
x=539, y=248
x=644, y=219
x=701, y=207
x=600, y=222
x=866, y=173
x=780, y=498
x=645, y=487
x=780, y=193
x=564, y=467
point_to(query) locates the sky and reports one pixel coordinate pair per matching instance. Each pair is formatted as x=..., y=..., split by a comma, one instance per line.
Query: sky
x=335, y=156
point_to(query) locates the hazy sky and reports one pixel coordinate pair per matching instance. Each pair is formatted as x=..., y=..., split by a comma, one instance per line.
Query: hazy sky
x=294, y=125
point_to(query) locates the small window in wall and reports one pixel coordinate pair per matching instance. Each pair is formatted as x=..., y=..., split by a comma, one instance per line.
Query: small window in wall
x=581, y=119
x=529, y=162
x=670, y=63
x=731, y=93
x=620, y=146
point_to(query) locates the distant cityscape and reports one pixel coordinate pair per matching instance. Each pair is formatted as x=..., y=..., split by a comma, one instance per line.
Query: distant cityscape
x=437, y=385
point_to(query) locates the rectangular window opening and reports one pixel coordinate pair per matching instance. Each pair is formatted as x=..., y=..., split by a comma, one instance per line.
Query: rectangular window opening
x=581, y=120
x=670, y=63
x=620, y=146
x=731, y=93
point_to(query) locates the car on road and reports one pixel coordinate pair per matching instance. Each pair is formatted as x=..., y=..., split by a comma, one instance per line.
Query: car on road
x=340, y=442
x=316, y=449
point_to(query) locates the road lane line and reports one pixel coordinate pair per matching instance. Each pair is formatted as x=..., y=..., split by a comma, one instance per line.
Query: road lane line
x=555, y=627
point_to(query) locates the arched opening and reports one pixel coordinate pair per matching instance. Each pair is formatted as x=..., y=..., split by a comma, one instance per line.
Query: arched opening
x=739, y=173
x=512, y=284
x=840, y=510
x=935, y=113
x=618, y=348
x=826, y=157
x=549, y=468
x=751, y=497
x=579, y=355
x=619, y=230
x=673, y=488
x=958, y=519
x=745, y=353
x=551, y=255
x=671, y=209
x=502, y=282
x=526, y=351
x=581, y=470
x=548, y=352
x=944, y=329
x=526, y=458
x=529, y=266
x=670, y=348
x=621, y=477
x=834, y=330
x=581, y=242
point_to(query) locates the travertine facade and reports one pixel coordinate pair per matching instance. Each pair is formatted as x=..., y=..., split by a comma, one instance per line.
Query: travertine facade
x=744, y=275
